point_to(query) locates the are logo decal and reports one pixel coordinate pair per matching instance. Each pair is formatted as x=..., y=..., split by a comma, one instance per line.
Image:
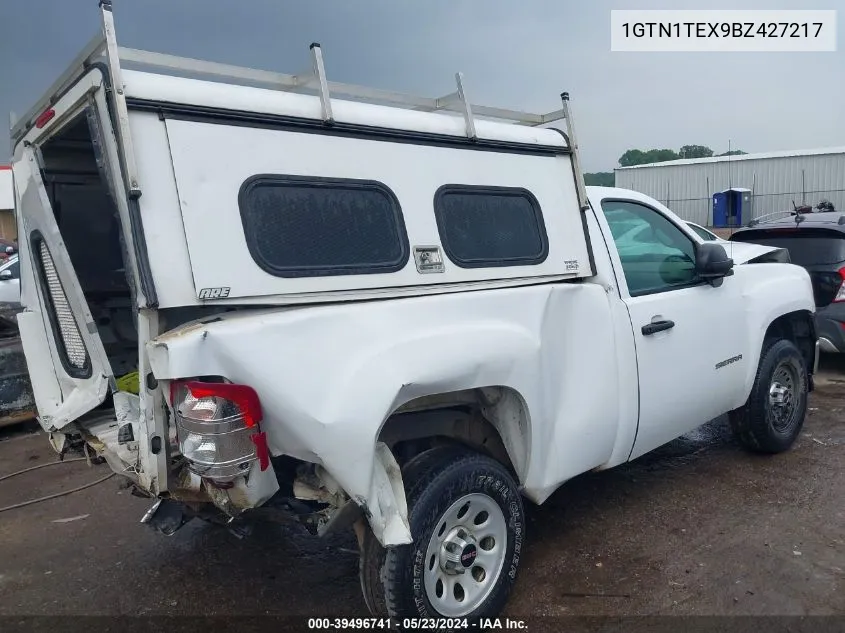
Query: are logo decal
x=214, y=293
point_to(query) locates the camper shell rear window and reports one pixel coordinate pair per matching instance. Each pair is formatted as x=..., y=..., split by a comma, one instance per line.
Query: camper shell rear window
x=307, y=226
x=484, y=227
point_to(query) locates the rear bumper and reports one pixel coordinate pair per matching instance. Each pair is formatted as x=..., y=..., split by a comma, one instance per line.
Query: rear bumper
x=830, y=326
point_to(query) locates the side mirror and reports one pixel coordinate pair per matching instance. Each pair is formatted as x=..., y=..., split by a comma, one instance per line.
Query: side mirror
x=5, y=274
x=712, y=263
x=10, y=250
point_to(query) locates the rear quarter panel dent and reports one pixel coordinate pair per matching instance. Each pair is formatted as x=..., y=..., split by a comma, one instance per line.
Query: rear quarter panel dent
x=329, y=376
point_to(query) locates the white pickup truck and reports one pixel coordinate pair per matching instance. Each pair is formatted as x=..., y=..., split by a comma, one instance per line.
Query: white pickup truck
x=262, y=299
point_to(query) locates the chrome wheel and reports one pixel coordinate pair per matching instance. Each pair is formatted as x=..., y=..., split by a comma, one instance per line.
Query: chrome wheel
x=782, y=396
x=465, y=555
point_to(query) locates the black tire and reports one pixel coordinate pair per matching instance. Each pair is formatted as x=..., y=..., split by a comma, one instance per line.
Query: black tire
x=392, y=579
x=762, y=426
x=372, y=553
x=371, y=566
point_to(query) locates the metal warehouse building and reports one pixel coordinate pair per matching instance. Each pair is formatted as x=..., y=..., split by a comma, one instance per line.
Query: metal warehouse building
x=774, y=179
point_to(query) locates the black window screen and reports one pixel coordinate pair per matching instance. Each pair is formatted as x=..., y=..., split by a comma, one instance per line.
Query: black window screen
x=308, y=226
x=490, y=226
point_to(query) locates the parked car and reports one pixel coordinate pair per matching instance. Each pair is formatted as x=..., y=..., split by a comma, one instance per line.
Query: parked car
x=632, y=237
x=705, y=234
x=17, y=402
x=10, y=280
x=7, y=249
x=421, y=319
x=815, y=241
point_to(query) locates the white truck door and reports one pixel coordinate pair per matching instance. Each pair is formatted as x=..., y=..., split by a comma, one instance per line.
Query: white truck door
x=67, y=364
x=689, y=336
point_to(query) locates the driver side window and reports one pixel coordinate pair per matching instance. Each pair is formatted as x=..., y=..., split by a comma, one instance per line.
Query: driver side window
x=656, y=255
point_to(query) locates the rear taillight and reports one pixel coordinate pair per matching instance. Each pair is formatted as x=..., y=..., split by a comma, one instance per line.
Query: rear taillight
x=218, y=428
x=840, y=294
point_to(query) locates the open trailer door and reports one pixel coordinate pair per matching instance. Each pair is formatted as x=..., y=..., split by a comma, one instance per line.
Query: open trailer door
x=56, y=324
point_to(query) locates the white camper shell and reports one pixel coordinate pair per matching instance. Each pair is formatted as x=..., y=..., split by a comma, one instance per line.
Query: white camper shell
x=155, y=191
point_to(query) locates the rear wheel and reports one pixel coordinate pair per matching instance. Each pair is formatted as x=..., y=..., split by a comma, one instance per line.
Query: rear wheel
x=468, y=525
x=773, y=416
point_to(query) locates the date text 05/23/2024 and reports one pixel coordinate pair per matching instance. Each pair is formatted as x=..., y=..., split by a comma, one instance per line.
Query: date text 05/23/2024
x=415, y=624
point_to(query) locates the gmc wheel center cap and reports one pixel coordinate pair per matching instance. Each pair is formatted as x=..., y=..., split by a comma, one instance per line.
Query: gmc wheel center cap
x=468, y=555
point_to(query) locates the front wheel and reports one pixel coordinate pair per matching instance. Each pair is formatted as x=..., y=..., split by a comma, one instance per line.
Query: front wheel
x=468, y=525
x=773, y=416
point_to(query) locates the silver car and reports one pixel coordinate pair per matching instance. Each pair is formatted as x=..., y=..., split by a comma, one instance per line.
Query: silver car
x=10, y=280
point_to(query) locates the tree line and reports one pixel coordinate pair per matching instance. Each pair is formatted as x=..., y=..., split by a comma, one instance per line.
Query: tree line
x=644, y=157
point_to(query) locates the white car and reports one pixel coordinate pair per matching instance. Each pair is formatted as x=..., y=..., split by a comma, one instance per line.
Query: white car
x=10, y=280
x=629, y=235
x=705, y=234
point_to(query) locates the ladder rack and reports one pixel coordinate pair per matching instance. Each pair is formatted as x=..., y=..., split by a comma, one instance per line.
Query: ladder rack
x=315, y=81
x=104, y=49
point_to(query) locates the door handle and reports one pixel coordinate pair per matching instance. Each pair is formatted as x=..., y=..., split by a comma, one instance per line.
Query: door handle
x=657, y=326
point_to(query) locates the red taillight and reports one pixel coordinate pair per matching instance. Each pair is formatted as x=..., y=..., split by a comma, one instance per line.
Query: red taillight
x=218, y=427
x=840, y=294
x=44, y=118
x=241, y=396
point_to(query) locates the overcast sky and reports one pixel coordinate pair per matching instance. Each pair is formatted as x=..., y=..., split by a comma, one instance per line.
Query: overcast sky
x=513, y=53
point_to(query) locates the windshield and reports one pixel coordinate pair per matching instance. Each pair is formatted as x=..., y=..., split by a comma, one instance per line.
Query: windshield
x=11, y=264
x=703, y=233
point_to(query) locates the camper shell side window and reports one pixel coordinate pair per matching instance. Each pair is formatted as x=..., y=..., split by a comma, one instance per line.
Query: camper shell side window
x=308, y=226
x=483, y=227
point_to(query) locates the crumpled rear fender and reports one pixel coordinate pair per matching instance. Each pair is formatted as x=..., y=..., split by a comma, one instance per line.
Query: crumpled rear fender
x=325, y=394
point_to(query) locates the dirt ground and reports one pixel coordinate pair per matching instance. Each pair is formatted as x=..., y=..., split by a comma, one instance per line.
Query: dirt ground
x=697, y=528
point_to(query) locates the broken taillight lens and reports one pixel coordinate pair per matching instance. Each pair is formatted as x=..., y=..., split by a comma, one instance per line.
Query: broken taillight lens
x=218, y=428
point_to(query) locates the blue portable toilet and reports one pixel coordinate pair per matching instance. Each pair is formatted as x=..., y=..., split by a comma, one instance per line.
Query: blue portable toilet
x=729, y=205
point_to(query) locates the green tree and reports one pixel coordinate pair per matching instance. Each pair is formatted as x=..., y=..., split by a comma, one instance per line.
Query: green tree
x=695, y=151
x=734, y=152
x=600, y=179
x=661, y=155
x=638, y=157
x=632, y=157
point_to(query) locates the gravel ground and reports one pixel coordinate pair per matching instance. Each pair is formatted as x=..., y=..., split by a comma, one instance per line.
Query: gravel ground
x=697, y=528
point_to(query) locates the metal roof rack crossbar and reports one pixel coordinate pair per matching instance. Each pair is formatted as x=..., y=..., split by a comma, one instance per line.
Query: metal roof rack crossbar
x=104, y=49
